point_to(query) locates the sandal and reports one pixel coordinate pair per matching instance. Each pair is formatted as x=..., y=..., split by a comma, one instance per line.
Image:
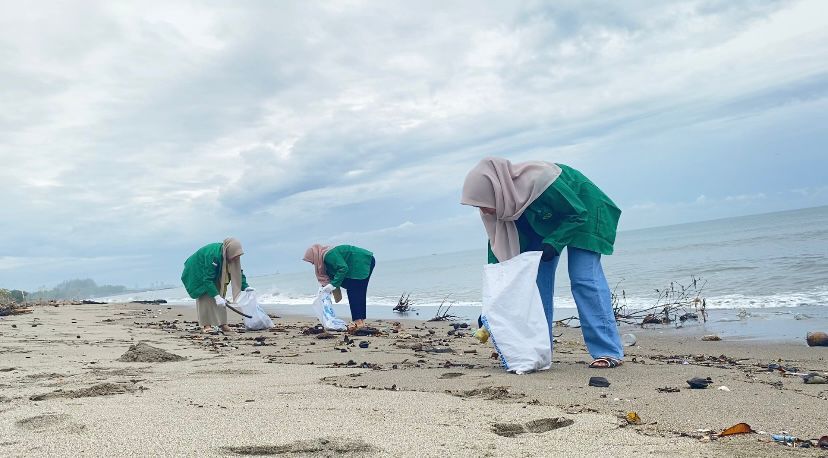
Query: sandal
x=605, y=362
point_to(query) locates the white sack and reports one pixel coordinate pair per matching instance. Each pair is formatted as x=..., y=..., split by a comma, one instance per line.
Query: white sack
x=248, y=304
x=513, y=314
x=323, y=307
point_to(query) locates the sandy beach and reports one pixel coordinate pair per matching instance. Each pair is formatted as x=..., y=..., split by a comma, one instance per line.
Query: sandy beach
x=414, y=391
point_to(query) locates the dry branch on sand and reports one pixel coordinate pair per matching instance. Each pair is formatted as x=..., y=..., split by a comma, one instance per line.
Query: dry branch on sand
x=676, y=303
x=404, y=304
x=444, y=315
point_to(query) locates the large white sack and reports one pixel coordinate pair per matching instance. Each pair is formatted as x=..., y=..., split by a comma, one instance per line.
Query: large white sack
x=513, y=314
x=249, y=305
x=323, y=307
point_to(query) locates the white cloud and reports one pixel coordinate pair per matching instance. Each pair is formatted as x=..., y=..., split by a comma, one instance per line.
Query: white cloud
x=156, y=127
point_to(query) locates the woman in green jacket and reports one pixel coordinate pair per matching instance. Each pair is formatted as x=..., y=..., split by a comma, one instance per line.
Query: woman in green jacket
x=206, y=275
x=345, y=266
x=541, y=206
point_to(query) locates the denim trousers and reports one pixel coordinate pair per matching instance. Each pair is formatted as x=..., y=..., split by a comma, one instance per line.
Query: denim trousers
x=592, y=297
x=358, y=293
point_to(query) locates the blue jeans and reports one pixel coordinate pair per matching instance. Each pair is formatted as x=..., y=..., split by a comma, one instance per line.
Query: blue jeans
x=592, y=297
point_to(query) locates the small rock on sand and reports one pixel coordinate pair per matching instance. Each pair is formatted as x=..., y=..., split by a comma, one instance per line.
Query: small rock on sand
x=145, y=353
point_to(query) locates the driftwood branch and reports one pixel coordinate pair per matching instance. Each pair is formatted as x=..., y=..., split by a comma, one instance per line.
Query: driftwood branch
x=444, y=315
x=404, y=304
x=676, y=303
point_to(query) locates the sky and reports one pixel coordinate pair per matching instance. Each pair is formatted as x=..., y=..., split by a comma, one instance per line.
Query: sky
x=133, y=133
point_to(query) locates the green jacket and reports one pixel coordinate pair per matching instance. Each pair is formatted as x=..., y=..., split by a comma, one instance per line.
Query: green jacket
x=572, y=212
x=347, y=261
x=202, y=270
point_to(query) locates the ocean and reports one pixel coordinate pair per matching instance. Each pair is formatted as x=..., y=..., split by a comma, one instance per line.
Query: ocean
x=770, y=263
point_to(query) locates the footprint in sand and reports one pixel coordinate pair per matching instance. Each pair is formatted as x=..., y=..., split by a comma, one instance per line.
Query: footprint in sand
x=315, y=447
x=451, y=375
x=535, y=426
x=44, y=421
x=50, y=421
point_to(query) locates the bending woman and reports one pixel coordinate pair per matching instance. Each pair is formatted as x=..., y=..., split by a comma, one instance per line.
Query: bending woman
x=541, y=206
x=206, y=275
x=345, y=266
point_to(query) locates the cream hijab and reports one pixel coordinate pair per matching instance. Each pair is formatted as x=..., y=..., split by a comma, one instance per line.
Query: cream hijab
x=315, y=255
x=509, y=189
x=230, y=269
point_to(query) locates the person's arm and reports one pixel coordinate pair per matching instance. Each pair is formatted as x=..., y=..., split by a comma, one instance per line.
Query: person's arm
x=569, y=212
x=208, y=277
x=337, y=267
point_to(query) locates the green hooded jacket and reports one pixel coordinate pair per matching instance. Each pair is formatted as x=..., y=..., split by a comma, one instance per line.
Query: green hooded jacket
x=201, y=272
x=347, y=261
x=572, y=212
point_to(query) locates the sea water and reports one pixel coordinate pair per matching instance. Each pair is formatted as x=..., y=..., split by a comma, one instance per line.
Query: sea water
x=771, y=264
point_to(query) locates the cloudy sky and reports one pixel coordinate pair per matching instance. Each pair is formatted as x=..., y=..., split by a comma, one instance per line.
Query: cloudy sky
x=132, y=133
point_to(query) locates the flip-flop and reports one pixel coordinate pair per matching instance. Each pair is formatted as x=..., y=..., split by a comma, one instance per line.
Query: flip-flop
x=600, y=382
x=608, y=360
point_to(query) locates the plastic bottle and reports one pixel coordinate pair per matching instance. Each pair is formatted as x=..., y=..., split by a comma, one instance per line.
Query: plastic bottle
x=783, y=438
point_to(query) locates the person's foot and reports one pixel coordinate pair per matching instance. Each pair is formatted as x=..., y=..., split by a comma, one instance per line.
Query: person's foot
x=207, y=329
x=606, y=362
x=354, y=325
x=226, y=329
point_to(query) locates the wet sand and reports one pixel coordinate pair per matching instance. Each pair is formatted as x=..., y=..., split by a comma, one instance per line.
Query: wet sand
x=415, y=390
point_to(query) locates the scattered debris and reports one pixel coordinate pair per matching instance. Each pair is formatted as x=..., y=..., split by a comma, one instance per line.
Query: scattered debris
x=817, y=339
x=403, y=304
x=675, y=298
x=318, y=329
x=699, y=383
x=628, y=340
x=366, y=331
x=723, y=388
x=443, y=315
x=668, y=389
x=489, y=393
x=633, y=418
x=711, y=338
x=739, y=428
x=152, y=302
x=815, y=379
x=599, y=382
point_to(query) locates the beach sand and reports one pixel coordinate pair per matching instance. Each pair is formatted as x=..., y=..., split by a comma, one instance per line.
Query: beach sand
x=413, y=392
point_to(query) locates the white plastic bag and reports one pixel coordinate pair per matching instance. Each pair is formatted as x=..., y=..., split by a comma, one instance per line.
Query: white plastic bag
x=248, y=304
x=323, y=307
x=513, y=314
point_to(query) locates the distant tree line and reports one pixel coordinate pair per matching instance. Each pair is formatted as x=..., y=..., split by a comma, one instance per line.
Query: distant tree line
x=70, y=289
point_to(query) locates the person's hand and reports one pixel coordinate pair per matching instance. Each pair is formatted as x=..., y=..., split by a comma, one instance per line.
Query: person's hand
x=328, y=288
x=220, y=300
x=549, y=252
